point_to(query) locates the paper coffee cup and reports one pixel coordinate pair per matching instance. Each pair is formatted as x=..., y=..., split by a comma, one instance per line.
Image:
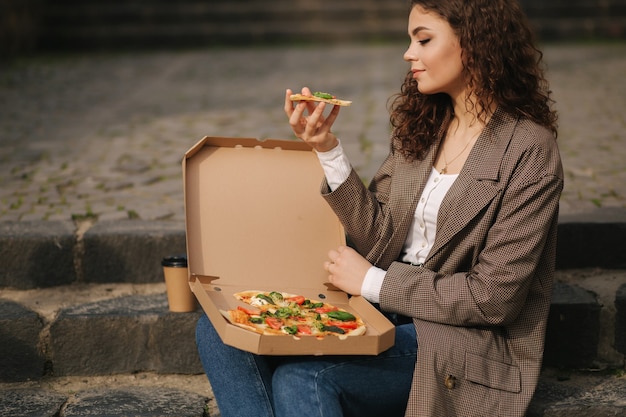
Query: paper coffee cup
x=179, y=295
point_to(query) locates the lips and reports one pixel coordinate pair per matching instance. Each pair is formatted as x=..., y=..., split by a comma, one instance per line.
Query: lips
x=417, y=72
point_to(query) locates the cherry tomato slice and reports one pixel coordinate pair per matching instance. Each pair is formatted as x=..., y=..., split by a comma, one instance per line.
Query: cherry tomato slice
x=322, y=310
x=274, y=323
x=302, y=329
x=344, y=324
x=298, y=299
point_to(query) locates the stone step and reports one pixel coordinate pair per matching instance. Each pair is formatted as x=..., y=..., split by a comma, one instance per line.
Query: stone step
x=188, y=23
x=138, y=23
x=94, y=330
x=31, y=25
x=115, y=349
x=106, y=329
x=57, y=253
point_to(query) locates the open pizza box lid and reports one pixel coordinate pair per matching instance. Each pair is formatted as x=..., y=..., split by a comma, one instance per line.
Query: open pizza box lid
x=255, y=220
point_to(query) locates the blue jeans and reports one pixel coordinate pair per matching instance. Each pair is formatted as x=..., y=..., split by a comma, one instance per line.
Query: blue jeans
x=245, y=384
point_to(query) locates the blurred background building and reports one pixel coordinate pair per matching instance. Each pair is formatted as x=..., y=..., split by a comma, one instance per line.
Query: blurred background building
x=28, y=26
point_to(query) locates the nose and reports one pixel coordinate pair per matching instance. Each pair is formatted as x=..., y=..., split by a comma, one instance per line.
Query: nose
x=409, y=55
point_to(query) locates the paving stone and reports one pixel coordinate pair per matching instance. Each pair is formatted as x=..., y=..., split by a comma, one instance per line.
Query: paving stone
x=109, y=113
x=135, y=402
x=573, y=328
x=113, y=215
x=28, y=402
x=20, y=355
x=37, y=254
x=606, y=400
x=130, y=251
x=567, y=394
x=156, y=210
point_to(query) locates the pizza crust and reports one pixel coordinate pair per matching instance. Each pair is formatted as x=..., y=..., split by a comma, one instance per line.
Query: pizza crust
x=335, y=101
x=227, y=315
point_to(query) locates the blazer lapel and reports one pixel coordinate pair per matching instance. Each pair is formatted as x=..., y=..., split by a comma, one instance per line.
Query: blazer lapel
x=406, y=193
x=478, y=183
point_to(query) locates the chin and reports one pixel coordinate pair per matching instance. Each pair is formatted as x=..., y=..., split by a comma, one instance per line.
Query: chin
x=425, y=90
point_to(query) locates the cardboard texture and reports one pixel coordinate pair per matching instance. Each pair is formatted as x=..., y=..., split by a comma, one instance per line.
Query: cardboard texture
x=255, y=220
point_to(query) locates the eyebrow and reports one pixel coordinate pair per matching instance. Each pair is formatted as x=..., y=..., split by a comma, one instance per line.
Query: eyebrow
x=418, y=29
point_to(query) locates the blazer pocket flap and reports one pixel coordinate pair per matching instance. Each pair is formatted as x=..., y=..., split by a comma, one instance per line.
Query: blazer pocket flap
x=492, y=373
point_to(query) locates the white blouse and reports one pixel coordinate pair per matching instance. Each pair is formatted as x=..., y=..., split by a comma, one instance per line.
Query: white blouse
x=419, y=243
x=420, y=240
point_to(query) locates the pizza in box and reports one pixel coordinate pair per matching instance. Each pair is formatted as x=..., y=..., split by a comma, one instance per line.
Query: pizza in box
x=283, y=314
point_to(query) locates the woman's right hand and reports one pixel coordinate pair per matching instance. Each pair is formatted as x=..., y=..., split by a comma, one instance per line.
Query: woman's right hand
x=313, y=129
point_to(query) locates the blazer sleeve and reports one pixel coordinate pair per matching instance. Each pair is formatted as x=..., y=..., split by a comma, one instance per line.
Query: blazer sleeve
x=361, y=209
x=500, y=251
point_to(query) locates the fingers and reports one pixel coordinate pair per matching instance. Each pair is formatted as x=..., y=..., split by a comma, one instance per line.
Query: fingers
x=334, y=254
x=315, y=122
x=332, y=116
x=305, y=127
x=314, y=129
x=288, y=103
x=334, y=257
x=346, y=269
x=310, y=105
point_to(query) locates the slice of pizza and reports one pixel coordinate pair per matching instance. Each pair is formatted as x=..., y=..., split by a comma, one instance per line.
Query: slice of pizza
x=279, y=313
x=321, y=97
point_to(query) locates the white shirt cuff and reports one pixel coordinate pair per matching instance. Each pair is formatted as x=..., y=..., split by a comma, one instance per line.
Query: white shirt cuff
x=373, y=282
x=336, y=166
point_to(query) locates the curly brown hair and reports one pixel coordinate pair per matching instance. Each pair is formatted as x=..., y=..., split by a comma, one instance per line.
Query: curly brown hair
x=503, y=68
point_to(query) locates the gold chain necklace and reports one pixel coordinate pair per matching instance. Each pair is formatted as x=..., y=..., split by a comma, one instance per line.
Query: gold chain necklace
x=445, y=160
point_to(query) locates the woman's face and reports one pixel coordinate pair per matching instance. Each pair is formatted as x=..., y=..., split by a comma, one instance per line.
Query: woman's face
x=434, y=54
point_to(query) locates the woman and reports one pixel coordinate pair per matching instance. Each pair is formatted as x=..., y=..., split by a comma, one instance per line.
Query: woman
x=457, y=231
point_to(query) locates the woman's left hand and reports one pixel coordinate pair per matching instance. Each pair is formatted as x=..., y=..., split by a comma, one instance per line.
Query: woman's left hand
x=347, y=269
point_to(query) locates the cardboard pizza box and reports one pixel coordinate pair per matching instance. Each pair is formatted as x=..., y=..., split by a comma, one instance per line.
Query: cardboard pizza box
x=255, y=220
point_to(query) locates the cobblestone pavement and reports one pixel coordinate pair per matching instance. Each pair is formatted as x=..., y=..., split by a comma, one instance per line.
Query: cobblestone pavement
x=104, y=134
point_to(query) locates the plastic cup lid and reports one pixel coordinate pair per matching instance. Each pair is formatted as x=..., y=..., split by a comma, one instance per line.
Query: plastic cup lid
x=176, y=261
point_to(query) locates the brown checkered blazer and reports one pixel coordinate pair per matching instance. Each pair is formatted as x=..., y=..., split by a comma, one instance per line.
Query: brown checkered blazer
x=480, y=301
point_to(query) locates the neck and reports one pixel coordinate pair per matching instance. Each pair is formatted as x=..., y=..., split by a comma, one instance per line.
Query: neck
x=467, y=121
x=464, y=125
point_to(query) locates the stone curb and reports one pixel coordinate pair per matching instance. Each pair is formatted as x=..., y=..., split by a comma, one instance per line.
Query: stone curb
x=51, y=253
x=124, y=335
x=131, y=250
x=21, y=358
x=137, y=333
x=37, y=254
x=573, y=328
x=595, y=239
